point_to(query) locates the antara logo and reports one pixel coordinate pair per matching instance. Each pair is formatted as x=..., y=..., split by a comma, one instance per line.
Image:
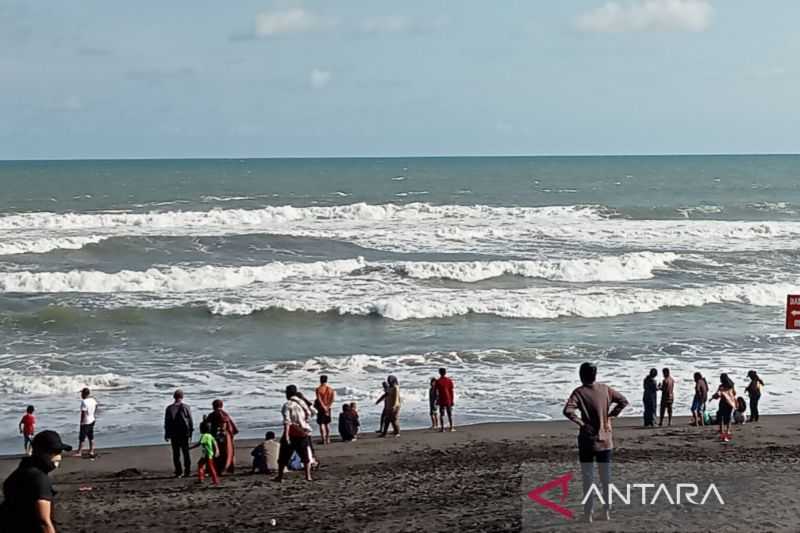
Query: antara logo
x=688, y=493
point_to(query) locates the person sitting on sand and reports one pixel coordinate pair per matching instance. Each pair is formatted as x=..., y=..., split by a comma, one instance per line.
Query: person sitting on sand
x=739, y=413
x=667, y=388
x=593, y=401
x=224, y=429
x=700, y=399
x=753, y=390
x=265, y=455
x=382, y=400
x=726, y=394
x=433, y=404
x=445, y=398
x=650, y=398
x=354, y=412
x=391, y=410
x=348, y=424
x=296, y=437
x=209, y=452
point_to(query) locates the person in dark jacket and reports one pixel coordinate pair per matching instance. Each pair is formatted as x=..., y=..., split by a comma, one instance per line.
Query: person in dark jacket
x=650, y=398
x=178, y=428
x=28, y=493
x=348, y=423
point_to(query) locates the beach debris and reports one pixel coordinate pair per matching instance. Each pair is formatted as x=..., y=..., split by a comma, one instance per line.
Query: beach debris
x=128, y=472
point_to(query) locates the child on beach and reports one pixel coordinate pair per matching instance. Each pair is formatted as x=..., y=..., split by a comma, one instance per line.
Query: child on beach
x=208, y=451
x=739, y=413
x=433, y=398
x=27, y=427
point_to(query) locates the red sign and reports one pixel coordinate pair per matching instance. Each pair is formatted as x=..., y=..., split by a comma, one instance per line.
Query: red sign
x=793, y=311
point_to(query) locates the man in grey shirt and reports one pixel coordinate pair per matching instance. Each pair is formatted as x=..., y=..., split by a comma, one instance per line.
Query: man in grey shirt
x=178, y=428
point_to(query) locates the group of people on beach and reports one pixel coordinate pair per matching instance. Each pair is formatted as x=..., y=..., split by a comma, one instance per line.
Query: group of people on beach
x=732, y=408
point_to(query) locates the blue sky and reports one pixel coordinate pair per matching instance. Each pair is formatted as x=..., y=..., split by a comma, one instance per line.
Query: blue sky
x=365, y=78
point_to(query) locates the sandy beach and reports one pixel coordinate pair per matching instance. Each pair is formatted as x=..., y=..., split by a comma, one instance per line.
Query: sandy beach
x=475, y=479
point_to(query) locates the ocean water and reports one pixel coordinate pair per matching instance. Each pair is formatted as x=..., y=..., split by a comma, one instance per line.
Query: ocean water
x=234, y=278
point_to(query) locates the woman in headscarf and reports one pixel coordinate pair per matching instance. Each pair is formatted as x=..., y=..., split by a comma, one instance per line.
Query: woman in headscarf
x=391, y=409
x=726, y=394
x=223, y=428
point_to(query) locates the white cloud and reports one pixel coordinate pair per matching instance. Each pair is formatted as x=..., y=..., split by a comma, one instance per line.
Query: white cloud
x=319, y=78
x=296, y=20
x=386, y=24
x=648, y=15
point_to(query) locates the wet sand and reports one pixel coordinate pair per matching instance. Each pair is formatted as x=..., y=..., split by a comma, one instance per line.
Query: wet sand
x=474, y=479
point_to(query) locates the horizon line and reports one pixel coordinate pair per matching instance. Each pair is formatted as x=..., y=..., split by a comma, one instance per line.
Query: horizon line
x=412, y=156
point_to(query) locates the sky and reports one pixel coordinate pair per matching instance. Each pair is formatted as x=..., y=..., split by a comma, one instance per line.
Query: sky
x=99, y=79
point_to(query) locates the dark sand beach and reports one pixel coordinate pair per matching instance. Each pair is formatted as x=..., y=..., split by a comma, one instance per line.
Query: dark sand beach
x=475, y=479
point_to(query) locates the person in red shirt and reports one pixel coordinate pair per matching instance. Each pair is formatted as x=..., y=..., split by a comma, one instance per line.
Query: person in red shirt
x=445, y=397
x=27, y=426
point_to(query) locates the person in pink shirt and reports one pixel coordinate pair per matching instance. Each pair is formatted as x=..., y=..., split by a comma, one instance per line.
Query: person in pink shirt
x=445, y=397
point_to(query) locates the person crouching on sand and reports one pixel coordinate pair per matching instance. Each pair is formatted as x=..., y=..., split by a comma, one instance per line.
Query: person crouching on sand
x=209, y=451
x=726, y=394
x=593, y=401
x=348, y=423
x=265, y=455
x=700, y=399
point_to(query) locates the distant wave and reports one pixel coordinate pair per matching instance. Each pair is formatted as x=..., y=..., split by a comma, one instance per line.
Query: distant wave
x=626, y=267
x=172, y=279
x=527, y=303
x=44, y=245
x=14, y=382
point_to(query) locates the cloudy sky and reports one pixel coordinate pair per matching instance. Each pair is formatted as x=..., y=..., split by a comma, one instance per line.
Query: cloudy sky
x=362, y=78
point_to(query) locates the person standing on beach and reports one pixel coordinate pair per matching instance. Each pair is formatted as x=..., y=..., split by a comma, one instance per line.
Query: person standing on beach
x=667, y=388
x=445, y=399
x=726, y=394
x=382, y=400
x=433, y=403
x=699, y=400
x=753, y=390
x=27, y=427
x=325, y=398
x=178, y=428
x=88, y=412
x=391, y=409
x=28, y=495
x=650, y=398
x=296, y=437
x=593, y=401
x=224, y=429
x=209, y=452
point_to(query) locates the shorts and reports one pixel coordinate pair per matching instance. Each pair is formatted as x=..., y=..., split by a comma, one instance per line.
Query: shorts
x=698, y=406
x=28, y=440
x=86, y=432
x=301, y=445
x=322, y=418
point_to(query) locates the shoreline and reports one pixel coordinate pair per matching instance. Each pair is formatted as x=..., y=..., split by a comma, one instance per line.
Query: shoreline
x=472, y=480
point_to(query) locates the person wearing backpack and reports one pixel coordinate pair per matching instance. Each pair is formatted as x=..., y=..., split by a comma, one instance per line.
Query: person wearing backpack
x=178, y=428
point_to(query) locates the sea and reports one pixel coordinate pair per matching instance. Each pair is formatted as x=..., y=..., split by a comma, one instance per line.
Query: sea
x=232, y=278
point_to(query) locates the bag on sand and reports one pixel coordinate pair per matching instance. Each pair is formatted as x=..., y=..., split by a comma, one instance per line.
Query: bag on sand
x=707, y=418
x=295, y=463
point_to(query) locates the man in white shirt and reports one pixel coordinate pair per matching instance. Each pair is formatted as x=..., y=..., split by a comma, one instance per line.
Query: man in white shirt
x=88, y=409
x=296, y=436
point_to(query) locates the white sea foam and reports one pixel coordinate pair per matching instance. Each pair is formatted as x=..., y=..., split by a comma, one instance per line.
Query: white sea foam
x=45, y=244
x=172, y=279
x=625, y=267
x=29, y=383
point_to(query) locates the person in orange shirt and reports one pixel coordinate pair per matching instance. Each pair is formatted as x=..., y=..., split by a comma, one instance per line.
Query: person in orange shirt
x=324, y=404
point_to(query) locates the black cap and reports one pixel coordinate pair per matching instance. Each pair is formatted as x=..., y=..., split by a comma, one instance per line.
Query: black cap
x=49, y=442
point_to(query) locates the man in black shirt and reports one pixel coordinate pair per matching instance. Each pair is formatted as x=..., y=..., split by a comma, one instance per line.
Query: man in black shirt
x=178, y=428
x=28, y=493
